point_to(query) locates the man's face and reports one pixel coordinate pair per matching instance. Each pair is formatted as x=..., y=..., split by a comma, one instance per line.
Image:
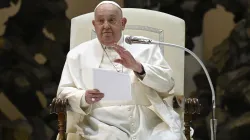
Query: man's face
x=108, y=23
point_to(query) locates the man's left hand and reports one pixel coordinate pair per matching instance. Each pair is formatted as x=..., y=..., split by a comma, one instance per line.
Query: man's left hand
x=127, y=60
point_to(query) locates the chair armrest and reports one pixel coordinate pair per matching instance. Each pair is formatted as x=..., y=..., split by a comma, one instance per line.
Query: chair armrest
x=192, y=107
x=58, y=106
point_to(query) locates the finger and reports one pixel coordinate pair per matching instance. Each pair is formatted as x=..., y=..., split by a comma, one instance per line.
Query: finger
x=97, y=99
x=120, y=61
x=117, y=46
x=96, y=90
x=91, y=100
x=117, y=50
x=126, y=55
x=94, y=100
x=93, y=91
x=97, y=95
x=88, y=100
x=120, y=49
x=123, y=55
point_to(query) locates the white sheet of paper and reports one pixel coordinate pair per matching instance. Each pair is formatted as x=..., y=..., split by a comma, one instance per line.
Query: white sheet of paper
x=114, y=85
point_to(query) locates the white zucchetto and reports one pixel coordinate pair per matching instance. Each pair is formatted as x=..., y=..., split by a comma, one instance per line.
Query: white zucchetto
x=108, y=2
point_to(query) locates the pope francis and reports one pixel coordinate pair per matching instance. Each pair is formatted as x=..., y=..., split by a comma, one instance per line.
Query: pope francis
x=146, y=116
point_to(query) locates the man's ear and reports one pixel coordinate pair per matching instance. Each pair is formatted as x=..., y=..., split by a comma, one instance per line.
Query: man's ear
x=124, y=22
x=93, y=22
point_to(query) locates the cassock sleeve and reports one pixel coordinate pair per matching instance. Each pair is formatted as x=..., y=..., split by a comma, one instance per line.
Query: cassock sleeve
x=67, y=89
x=158, y=74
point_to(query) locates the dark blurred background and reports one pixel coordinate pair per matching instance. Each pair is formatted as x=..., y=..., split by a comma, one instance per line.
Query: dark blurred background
x=33, y=31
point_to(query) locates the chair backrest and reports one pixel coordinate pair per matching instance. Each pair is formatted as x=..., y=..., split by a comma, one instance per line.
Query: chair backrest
x=148, y=23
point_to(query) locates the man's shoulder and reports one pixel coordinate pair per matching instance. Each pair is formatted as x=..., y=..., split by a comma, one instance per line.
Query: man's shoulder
x=81, y=48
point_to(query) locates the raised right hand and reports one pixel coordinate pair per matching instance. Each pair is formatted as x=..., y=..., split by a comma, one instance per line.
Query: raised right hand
x=95, y=94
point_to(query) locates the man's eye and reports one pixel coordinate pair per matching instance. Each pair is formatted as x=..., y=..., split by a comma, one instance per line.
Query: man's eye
x=101, y=20
x=112, y=20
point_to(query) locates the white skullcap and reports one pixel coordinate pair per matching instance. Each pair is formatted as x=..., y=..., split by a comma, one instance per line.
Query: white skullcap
x=108, y=2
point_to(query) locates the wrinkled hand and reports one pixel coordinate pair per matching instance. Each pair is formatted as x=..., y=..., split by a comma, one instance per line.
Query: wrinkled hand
x=95, y=94
x=127, y=60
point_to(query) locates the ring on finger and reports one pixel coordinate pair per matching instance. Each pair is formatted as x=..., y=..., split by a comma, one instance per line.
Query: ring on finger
x=92, y=99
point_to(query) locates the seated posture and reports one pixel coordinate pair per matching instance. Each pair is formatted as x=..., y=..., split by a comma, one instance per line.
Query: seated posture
x=146, y=116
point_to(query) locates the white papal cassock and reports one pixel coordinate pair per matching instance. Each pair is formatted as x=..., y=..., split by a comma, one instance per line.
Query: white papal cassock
x=146, y=117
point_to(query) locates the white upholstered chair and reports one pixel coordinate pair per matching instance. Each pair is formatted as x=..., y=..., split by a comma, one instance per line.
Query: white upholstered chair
x=141, y=22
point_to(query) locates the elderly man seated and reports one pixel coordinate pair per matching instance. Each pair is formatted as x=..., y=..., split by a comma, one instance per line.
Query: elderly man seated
x=145, y=117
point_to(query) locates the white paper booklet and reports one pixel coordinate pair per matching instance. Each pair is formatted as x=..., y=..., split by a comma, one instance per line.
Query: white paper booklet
x=114, y=85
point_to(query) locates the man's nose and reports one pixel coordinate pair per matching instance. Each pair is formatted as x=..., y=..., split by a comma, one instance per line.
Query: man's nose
x=106, y=25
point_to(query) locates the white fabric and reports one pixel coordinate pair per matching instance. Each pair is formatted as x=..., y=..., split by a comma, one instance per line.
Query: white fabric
x=76, y=77
x=130, y=116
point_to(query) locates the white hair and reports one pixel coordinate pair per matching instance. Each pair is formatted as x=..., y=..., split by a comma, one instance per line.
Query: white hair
x=108, y=2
